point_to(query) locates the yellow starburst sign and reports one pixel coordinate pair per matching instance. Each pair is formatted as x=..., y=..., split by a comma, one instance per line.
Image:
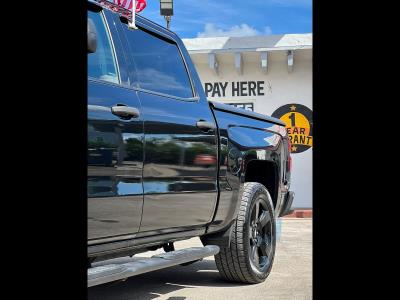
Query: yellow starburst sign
x=298, y=120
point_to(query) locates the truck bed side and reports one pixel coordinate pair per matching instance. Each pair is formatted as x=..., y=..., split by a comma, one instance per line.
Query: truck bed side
x=253, y=147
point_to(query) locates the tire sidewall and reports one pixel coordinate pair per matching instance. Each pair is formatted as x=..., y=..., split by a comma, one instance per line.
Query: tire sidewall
x=259, y=192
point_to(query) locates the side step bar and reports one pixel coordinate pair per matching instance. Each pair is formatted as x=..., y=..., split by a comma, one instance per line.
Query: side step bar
x=117, y=269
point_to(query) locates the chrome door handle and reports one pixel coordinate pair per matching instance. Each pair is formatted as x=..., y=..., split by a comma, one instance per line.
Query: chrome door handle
x=205, y=126
x=125, y=112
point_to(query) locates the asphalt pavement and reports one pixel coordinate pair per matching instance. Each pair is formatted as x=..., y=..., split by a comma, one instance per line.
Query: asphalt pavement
x=290, y=278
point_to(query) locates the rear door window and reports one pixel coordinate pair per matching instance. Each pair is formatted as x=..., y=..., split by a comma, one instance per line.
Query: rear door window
x=102, y=64
x=159, y=64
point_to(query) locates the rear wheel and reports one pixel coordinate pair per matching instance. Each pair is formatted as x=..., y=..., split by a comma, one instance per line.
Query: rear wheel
x=251, y=252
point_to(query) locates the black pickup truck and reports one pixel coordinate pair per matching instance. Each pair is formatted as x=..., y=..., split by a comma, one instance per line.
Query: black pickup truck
x=165, y=164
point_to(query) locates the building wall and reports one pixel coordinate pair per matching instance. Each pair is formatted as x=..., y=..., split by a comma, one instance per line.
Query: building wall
x=280, y=88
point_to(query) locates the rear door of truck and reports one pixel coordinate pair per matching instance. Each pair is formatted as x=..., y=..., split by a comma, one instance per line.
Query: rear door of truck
x=180, y=166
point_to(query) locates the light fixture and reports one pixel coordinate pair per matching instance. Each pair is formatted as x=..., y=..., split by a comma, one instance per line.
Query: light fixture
x=167, y=10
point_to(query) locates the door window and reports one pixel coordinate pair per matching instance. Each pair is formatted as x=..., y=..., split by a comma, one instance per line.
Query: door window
x=102, y=64
x=159, y=64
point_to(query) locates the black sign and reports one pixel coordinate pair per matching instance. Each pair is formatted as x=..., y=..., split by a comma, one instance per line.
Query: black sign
x=247, y=106
x=236, y=89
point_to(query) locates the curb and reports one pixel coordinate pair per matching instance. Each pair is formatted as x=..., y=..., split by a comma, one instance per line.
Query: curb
x=300, y=213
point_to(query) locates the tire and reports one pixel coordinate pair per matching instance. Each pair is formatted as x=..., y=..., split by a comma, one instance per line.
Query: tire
x=250, y=255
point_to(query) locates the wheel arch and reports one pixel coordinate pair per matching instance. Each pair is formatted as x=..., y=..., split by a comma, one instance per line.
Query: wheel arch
x=264, y=172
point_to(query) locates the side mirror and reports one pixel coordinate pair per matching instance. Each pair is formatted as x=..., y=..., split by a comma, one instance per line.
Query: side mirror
x=91, y=36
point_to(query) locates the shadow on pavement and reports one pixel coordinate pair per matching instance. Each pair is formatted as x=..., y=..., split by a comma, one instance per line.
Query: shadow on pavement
x=154, y=284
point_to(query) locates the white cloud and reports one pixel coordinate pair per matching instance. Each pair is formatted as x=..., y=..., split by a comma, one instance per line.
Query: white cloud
x=267, y=30
x=212, y=30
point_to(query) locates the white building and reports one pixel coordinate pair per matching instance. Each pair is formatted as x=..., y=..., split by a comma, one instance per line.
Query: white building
x=265, y=73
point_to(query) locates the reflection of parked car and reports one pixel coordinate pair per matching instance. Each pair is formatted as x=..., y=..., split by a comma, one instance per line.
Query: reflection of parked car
x=205, y=160
x=100, y=157
x=182, y=186
x=153, y=96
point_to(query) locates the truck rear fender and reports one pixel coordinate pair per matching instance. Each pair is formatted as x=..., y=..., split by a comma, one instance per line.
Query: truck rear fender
x=250, y=151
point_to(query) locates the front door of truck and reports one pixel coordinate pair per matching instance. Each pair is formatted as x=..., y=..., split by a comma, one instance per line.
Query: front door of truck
x=115, y=140
x=180, y=166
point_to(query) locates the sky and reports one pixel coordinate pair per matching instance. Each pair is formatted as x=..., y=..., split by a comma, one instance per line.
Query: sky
x=211, y=18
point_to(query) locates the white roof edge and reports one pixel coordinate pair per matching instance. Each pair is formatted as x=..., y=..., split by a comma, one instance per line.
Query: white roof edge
x=249, y=44
x=242, y=50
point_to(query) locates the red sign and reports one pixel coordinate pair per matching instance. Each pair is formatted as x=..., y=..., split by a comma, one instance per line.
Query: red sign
x=140, y=5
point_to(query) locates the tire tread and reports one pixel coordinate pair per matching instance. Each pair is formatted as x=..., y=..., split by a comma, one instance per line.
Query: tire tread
x=232, y=261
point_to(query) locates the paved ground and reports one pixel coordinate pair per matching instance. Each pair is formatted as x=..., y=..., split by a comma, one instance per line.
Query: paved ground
x=291, y=276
